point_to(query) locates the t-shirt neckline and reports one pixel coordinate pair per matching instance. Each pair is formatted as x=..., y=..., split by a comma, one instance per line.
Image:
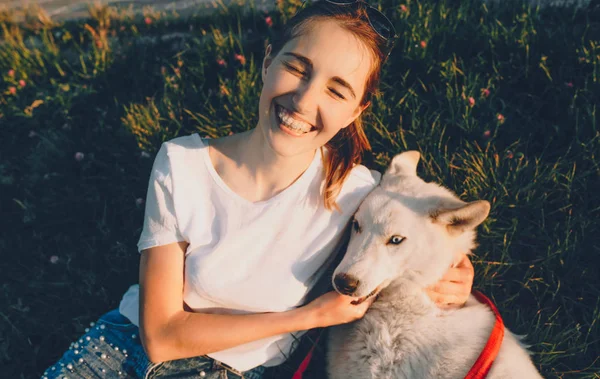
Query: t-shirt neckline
x=304, y=178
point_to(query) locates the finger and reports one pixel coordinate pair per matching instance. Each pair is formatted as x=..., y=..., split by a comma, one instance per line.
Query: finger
x=345, y=298
x=443, y=300
x=364, y=307
x=444, y=287
x=364, y=304
x=459, y=275
x=371, y=300
x=449, y=306
x=463, y=261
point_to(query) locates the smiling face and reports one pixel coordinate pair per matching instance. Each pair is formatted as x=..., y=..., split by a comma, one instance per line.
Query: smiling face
x=312, y=88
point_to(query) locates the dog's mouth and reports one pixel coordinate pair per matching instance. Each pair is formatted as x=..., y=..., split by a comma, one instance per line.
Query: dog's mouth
x=373, y=293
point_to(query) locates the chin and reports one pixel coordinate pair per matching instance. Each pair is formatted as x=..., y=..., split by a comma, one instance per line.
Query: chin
x=285, y=148
x=284, y=144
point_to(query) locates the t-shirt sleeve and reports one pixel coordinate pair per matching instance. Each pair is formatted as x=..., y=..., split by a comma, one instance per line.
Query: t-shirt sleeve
x=376, y=175
x=160, y=221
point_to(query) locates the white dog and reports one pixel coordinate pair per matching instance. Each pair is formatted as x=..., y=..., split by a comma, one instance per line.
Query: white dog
x=406, y=233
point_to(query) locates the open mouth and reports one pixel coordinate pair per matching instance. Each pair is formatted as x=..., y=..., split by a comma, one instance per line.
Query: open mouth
x=373, y=293
x=291, y=125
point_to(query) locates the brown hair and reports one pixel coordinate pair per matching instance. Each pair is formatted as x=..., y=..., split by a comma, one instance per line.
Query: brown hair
x=348, y=145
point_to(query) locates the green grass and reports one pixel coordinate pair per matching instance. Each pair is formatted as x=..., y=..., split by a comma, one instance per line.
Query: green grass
x=114, y=87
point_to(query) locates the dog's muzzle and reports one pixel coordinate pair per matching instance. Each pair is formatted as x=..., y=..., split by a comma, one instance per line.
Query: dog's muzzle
x=345, y=284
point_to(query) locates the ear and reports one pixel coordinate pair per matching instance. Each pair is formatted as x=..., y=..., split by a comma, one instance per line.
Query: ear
x=404, y=164
x=267, y=60
x=467, y=217
x=357, y=112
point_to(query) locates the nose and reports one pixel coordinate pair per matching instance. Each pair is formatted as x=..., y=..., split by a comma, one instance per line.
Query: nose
x=346, y=284
x=304, y=97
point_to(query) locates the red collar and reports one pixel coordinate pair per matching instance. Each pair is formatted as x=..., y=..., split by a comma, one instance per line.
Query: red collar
x=483, y=363
x=485, y=360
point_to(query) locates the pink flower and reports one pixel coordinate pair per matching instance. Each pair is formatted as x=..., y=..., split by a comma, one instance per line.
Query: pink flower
x=403, y=8
x=485, y=92
x=54, y=259
x=221, y=62
x=230, y=133
x=148, y=20
x=139, y=201
x=12, y=90
x=269, y=21
x=509, y=154
x=500, y=118
x=471, y=101
x=487, y=134
x=79, y=156
x=176, y=71
x=11, y=73
x=32, y=133
x=21, y=83
x=122, y=28
x=240, y=58
x=423, y=44
x=569, y=84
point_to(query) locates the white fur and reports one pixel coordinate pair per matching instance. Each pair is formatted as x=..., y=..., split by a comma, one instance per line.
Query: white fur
x=404, y=334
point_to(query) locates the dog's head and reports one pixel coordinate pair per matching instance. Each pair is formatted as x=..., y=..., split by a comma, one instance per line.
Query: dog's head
x=406, y=228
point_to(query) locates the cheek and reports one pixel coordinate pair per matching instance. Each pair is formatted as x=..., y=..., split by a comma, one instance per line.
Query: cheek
x=279, y=82
x=334, y=117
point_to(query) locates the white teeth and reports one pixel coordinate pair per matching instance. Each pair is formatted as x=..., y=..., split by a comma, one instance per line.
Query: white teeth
x=292, y=123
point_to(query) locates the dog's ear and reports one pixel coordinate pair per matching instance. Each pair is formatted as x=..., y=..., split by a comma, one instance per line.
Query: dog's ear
x=466, y=217
x=404, y=164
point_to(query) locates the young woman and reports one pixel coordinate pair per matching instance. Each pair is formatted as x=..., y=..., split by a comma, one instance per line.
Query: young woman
x=238, y=229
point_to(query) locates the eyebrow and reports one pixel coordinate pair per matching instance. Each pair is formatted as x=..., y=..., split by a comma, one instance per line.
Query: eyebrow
x=309, y=63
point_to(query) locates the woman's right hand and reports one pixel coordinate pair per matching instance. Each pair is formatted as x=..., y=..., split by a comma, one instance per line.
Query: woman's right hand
x=333, y=308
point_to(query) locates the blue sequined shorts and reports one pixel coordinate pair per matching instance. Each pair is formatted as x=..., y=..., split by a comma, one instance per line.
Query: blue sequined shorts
x=111, y=348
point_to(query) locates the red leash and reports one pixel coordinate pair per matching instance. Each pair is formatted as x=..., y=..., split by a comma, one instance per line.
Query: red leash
x=483, y=363
x=306, y=361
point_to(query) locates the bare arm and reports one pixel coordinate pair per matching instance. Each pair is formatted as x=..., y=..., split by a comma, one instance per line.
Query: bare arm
x=169, y=332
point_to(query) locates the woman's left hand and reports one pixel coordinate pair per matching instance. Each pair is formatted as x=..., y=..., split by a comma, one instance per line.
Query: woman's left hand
x=455, y=286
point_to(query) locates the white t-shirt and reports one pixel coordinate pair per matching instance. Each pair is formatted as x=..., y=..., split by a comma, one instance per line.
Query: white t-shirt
x=243, y=257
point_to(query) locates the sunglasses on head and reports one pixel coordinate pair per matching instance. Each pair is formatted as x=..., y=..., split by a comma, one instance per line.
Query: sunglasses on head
x=381, y=24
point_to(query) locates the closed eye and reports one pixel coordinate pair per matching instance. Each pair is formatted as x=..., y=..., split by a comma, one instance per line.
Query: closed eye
x=294, y=69
x=303, y=73
x=337, y=93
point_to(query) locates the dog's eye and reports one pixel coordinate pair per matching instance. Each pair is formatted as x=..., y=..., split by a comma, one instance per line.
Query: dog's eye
x=396, y=240
x=355, y=226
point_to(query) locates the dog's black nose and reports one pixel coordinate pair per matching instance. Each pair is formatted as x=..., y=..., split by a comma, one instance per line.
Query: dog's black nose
x=346, y=284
